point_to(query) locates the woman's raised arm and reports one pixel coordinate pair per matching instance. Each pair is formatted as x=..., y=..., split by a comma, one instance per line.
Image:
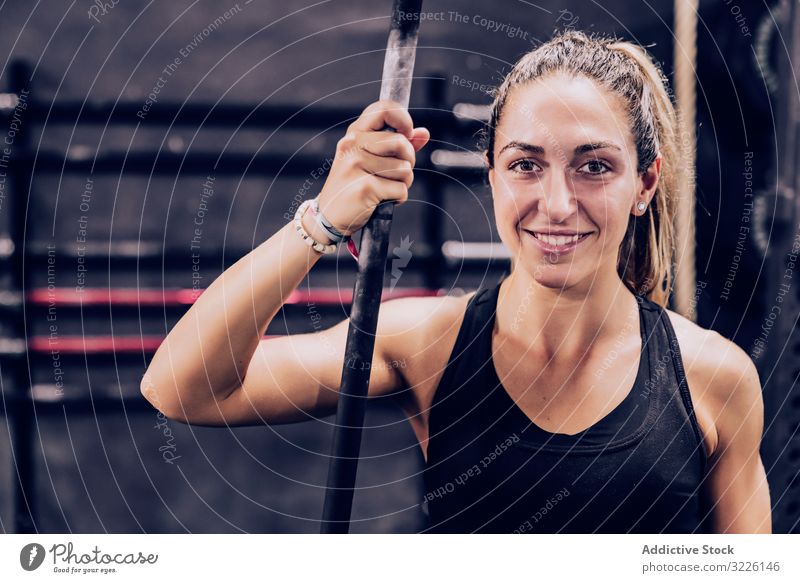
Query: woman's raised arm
x=198, y=372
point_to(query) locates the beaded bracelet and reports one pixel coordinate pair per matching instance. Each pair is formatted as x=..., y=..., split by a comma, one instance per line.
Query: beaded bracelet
x=321, y=220
x=333, y=233
x=315, y=245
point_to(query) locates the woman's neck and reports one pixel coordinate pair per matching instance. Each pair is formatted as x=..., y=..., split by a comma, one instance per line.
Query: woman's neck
x=563, y=322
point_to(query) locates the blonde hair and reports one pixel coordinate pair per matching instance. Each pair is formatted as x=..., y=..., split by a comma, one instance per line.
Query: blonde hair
x=645, y=256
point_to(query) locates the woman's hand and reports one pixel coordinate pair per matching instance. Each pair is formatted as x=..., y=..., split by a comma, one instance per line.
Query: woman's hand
x=371, y=165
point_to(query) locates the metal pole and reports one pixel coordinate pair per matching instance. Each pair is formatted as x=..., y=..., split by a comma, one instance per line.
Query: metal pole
x=21, y=421
x=396, y=86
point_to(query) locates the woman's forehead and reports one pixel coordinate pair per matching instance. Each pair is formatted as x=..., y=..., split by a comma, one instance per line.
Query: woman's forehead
x=563, y=90
x=565, y=110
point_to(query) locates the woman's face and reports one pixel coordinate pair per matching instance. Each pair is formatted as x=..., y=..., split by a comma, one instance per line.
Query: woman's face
x=565, y=163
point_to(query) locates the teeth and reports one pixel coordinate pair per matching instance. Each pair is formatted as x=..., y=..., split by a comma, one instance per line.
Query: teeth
x=558, y=241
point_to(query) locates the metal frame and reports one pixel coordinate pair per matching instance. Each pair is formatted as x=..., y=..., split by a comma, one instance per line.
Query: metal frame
x=20, y=403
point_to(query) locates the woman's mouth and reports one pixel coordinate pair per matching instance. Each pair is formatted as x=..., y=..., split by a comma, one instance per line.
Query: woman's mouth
x=559, y=244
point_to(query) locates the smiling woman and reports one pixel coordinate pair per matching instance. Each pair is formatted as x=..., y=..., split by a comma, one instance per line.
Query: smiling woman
x=555, y=401
x=622, y=128
x=583, y=159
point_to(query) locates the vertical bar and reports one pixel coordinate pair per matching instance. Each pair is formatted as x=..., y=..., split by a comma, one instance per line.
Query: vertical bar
x=21, y=418
x=686, y=97
x=436, y=88
x=398, y=67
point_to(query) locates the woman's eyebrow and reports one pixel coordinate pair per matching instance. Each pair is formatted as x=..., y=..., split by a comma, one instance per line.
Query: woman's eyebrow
x=516, y=145
x=595, y=146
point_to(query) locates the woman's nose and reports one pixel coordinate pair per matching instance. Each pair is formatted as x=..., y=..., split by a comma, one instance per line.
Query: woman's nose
x=559, y=197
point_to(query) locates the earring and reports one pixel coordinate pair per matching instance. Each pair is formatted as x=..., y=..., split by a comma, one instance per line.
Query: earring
x=641, y=205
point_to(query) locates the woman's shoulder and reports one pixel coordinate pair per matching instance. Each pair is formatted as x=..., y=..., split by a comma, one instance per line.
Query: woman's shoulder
x=691, y=336
x=421, y=333
x=706, y=349
x=722, y=378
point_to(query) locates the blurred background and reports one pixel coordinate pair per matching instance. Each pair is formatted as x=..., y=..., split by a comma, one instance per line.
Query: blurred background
x=147, y=146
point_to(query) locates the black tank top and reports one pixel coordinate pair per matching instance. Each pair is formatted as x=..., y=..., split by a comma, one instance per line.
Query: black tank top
x=490, y=469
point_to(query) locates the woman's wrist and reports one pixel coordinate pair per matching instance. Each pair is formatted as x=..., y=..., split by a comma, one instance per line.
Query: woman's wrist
x=318, y=233
x=312, y=228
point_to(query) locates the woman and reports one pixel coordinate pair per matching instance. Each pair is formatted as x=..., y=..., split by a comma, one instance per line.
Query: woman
x=539, y=404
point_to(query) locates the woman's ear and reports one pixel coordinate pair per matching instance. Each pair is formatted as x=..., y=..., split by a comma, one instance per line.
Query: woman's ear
x=649, y=183
x=491, y=170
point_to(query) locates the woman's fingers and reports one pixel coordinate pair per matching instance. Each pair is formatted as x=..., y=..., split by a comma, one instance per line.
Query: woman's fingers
x=389, y=168
x=420, y=138
x=371, y=165
x=382, y=113
x=387, y=144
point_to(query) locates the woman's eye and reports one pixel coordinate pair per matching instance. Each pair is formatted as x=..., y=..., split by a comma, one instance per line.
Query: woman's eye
x=596, y=167
x=524, y=166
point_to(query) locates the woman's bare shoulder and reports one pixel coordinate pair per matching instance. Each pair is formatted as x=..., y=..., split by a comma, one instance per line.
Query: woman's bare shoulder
x=719, y=371
x=415, y=322
x=692, y=337
x=420, y=332
x=707, y=350
x=722, y=379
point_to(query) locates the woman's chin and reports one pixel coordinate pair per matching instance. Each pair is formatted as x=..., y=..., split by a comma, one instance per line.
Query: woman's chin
x=555, y=284
x=553, y=276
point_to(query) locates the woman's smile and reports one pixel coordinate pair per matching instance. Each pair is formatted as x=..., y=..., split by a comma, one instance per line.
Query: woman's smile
x=559, y=244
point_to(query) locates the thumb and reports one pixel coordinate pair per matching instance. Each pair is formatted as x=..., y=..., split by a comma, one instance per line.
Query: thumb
x=419, y=138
